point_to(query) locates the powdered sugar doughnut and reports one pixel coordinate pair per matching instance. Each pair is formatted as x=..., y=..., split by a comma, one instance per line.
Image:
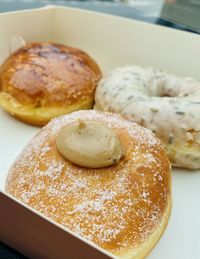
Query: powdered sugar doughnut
x=166, y=104
x=123, y=208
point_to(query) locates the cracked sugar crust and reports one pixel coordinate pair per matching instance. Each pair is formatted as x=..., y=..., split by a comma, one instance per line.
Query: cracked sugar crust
x=49, y=75
x=115, y=207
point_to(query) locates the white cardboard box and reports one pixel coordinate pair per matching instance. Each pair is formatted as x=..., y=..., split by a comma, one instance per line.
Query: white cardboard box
x=112, y=41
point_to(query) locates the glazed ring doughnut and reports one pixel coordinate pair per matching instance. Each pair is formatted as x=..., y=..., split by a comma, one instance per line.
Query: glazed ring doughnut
x=166, y=104
x=43, y=80
x=123, y=208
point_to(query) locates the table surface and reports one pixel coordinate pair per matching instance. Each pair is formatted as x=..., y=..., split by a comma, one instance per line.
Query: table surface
x=152, y=11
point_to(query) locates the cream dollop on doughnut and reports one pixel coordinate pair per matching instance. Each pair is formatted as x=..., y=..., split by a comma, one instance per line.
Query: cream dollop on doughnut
x=124, y=208
x=165, y=103
x=90, y=144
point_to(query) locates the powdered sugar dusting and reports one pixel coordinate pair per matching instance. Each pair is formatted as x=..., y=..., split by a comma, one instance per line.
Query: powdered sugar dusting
x=115, y=207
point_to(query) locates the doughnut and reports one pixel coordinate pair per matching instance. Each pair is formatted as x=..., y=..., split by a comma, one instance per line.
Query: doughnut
x=165, y=103
x=41, y=81
x=123, y=208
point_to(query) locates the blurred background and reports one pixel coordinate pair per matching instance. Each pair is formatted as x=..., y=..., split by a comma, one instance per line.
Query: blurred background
x=178, y=14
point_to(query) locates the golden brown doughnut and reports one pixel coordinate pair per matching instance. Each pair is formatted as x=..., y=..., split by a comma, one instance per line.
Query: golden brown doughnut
x=123, y=208
x=41, y=81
